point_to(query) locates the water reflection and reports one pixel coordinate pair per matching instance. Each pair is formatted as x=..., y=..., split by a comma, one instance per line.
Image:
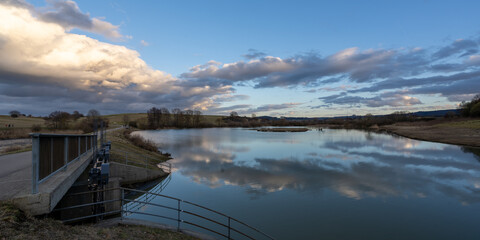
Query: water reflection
x=354, y=164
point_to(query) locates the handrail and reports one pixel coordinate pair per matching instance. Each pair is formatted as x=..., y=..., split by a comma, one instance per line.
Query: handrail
x=52, y=153
x=124, y=211
x=200, y=206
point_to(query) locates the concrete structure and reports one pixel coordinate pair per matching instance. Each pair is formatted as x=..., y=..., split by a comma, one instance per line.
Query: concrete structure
x=128, y=174
x=51, y=191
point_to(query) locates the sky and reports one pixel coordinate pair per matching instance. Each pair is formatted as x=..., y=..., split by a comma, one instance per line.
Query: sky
x=277, y=58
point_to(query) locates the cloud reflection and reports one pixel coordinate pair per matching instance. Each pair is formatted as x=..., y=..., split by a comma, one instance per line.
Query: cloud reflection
x=381, y=166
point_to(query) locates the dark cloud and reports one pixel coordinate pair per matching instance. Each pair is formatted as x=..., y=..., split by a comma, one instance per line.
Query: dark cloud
x=69, y=15
x=253, y=53
x=461, y=47
x=271, y=107
x=392, y=99
x=416, y=70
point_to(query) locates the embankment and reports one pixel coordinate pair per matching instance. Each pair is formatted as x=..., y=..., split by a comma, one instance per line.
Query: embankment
x=442, y=133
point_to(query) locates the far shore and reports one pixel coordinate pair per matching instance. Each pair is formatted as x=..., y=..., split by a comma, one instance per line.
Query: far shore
x=442, y=134
x=281, y=129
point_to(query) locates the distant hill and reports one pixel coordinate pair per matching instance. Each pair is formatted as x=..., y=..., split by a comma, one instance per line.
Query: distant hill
x=436, y=113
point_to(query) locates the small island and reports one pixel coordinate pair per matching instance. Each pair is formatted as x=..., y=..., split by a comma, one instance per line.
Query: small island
x=282, y=129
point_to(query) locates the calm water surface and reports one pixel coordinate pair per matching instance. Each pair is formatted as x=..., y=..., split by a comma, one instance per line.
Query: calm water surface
x=331, y=184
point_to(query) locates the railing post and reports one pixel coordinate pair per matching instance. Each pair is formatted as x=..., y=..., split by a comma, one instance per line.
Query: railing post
x=65, y=153
x=126, y=158
x=178, y=217
x=35, y=161
x=78, y=141
x=51, y=156
x=121, y=206
x=228, y=227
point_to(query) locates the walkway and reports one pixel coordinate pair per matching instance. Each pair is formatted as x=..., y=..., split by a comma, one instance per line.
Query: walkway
x=15, y=174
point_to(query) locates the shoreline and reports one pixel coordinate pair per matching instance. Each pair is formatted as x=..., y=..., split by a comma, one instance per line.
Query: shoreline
x=448, y=135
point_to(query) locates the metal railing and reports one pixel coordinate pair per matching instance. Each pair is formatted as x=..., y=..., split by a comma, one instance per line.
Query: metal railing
x=54, y=152
x=148, y=197
x=138, y=160
x=182, y=213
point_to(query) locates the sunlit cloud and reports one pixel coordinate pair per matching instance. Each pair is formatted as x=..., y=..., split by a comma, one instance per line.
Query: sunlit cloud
x=41, y=61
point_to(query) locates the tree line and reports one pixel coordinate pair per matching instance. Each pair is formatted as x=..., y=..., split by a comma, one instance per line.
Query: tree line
x=471, y=108
x=163, y=118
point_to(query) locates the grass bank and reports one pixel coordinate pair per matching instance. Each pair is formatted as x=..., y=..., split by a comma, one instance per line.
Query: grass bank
x=282, y=129
x=15, y=149
x=15, y=224
x=465, y=132
x=122, y=144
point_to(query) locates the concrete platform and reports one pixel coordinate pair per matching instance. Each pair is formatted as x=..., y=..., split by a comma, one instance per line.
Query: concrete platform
x=50, y=192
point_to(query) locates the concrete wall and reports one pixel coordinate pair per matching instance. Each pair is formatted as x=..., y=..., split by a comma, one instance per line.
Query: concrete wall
x=128, y=174
x=53, y=189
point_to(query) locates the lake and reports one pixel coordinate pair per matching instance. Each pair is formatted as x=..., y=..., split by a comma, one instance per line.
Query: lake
x=330, y=184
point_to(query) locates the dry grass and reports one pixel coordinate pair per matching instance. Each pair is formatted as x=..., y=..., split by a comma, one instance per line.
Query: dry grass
x=15, y=149
x=14, y=224
x=14, y=133
x=21, y=122
x=282, y=129
x=139, y=141
x=471, y=124
x=136, y=155
x=116, y=120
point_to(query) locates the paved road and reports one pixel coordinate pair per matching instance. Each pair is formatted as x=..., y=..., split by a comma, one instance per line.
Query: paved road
x=14, y=162
x=15, y=174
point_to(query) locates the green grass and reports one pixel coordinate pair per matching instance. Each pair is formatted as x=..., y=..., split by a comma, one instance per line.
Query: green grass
x=473, y=124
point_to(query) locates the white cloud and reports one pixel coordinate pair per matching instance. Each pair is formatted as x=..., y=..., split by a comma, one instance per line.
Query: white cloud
x=144, y=43
x=36, y=53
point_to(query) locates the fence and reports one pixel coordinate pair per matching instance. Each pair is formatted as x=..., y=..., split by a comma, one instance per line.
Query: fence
x=54, y=152
x=181, y=213
x=138, y=160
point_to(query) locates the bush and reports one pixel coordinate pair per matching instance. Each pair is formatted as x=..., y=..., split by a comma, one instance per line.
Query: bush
x=36, y=128
x=132, y=124
x=475, y=110
x=140, y=142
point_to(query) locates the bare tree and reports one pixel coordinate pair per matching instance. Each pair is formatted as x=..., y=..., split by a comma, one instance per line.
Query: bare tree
x=233, y=114
x=166, y=117
x=177, y=117
x=126, y=119
x=59, y=119
x=76, y=115
x=197, y=115
x=15, y=114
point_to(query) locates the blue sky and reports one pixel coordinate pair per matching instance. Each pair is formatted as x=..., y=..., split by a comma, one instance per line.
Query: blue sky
x=280, y=58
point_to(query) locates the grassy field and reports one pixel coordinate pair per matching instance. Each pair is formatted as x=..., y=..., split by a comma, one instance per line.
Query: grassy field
x=20, y=122
x=117, y=119
x=472, y=124
x=14, y=224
